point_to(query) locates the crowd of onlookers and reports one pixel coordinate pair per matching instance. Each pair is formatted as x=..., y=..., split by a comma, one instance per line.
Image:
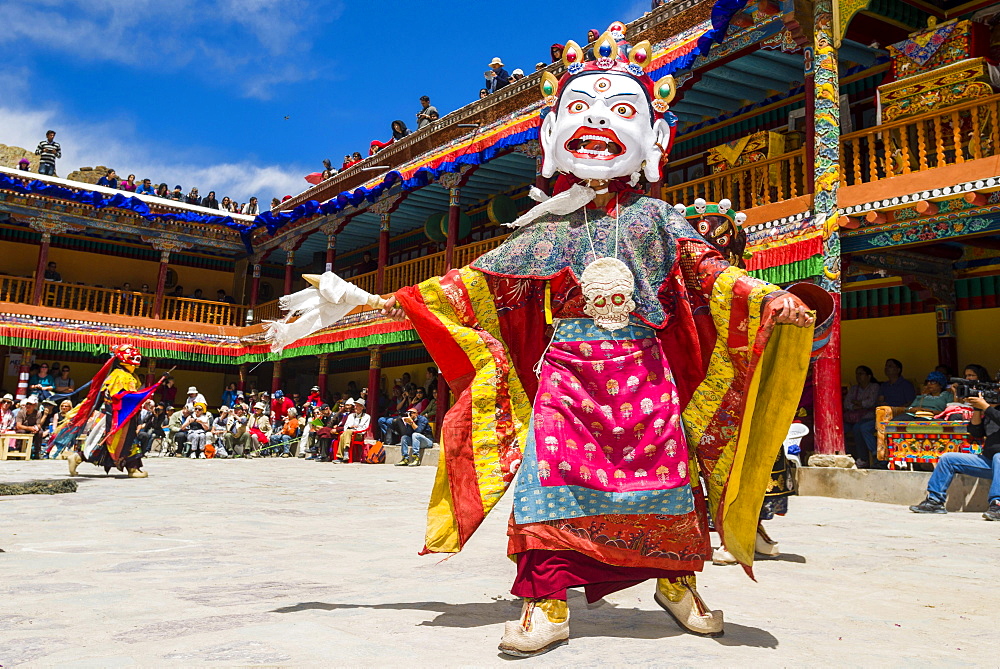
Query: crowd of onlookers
x=247, y=424
x=938, y=399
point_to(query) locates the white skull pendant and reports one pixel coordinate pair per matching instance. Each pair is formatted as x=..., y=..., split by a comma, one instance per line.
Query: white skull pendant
x=608, y=285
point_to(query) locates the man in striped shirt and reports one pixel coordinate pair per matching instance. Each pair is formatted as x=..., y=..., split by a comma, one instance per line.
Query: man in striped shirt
x=48, y=150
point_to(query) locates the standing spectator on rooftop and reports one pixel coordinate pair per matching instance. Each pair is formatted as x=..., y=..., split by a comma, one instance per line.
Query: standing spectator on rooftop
x=129, y=184
x=193, y=197
x=556, y=52
x=539, y=67
x=109, y=180
x=252, y=209
x=227, y=204
x=178, y=194
x=517, y=75
x=24, y=165
x=427, y=113
x=163, y=191
x=347, y=161
x=500, y=76
x=48, y=150
x=210, y=201
x=146, y=188
x=328, y=170
x=399, y=130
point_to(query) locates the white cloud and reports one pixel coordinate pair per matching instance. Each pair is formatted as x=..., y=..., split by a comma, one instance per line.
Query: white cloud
x=251, y=43
x=116, y=145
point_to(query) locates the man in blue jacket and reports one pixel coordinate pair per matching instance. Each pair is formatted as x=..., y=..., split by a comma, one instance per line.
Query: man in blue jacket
x=416, y=436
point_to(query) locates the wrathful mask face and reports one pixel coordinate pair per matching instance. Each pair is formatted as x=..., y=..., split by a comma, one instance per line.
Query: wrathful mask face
x=602, y=128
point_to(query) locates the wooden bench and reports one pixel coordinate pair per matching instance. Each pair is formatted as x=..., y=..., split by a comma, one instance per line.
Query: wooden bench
x=21, y=444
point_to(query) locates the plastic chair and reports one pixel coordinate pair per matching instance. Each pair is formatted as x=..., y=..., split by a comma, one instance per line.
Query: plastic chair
x=796, y=432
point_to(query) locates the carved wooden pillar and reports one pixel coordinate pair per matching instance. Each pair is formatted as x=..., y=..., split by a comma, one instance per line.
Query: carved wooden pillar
x=289, y=269
x=22, y=373
x=825, y=124
x=43, y=261
x=161, y=284
x=383, y=253
x=255, y=283
x=374, y=374
x=324, y=362
x=276, y=377
x=331, y=252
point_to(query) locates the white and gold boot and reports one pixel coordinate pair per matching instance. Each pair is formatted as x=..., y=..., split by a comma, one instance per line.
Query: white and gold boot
x=765, y=545
x=544, y=625
x=136, y=473
x=73, y=459
x=721, y=556
x=681, y=600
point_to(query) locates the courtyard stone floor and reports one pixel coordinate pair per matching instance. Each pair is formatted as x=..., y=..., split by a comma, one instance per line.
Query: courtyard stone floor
x=294, y=563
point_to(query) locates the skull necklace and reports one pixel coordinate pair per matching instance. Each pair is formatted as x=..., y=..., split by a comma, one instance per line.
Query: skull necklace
x=607, y=285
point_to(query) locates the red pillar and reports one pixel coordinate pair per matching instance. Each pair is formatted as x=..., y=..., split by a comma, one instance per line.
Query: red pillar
x=289, y=266
x=454, y=212
x=43, y=261
x=323, y=371
x=828, y=404
x=383, y=256
x=276, y=377
x=331, y=252
x=22, y=373
x=255, y=285
x=161, y=285
x=810, y=86
x=374, y=375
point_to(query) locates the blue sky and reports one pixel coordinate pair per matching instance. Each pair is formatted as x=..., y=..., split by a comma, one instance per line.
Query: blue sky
x=196, y=93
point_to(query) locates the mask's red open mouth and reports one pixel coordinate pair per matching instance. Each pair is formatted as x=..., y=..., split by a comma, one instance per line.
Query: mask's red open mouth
x=595, y=144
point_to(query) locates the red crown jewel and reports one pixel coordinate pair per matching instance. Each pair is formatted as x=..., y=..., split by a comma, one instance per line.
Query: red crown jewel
x=611, y=53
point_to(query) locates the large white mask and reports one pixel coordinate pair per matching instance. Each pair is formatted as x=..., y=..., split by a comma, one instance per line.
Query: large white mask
x=602, y=128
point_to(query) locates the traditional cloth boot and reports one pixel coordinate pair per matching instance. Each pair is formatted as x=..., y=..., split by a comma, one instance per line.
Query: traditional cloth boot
x=544, y=625
x=136, y=474
x=721, y=556
x=681, y=600
x=765, y=545
x=74, y=459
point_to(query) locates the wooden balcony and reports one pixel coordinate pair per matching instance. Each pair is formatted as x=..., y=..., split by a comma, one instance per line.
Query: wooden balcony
x=203, y=311
x=96, y=300
x=754, y=185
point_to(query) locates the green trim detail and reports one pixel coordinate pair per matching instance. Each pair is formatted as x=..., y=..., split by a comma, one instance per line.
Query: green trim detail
x=793, y=271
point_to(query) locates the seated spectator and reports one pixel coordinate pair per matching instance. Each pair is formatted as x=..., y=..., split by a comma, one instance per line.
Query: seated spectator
x=193, y=198
x=251, y=209
x=260, y=425
x=933, y=400
x=377, y=146
x=399, y=130
x=368, y=264
x=175, y=436
x=540, y=66
x=109, y=180
x=64, y=382
x=52, y=423
x=420, y=400
x=24, y=165
x=287, y=433
x=210, y=201
x=416, y=437
x=198, y=426
x=279, y=409
x=227, y=204
x=221, y=296
x=358, y=421
x=167, y=392
x=556, y=52
x=229, y=395
x=347, y=162
x=328, y=169
x=356, y=158
x=431, y=409
x=7, y=414
x=237, y=438
x=194, y=397
x=895, y=390
x=146, y=188
x=42, y=384
x=177, y=194
x=483, y=93
x=859, y=415
x=28, y=421
x=163, y=191
x=51, y=273
x=971, y=373
x=220, y=428
x=430, y=380
x=197, y=295
x=149, y=425
x=275, y=203
x=326, y=426
x=985, y=424
x=129, y=184
x=516, y=75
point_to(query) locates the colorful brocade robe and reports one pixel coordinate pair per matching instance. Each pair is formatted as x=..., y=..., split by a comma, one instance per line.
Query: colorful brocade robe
x=627, y=440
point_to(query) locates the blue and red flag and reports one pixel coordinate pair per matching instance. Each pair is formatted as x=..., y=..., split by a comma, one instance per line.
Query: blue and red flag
x=124, y=406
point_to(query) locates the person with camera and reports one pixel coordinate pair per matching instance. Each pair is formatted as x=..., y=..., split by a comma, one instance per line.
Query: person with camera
x=416, y=437
x=985, y=424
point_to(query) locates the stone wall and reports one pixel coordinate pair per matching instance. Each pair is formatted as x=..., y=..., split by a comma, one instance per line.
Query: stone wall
x=11, y=155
